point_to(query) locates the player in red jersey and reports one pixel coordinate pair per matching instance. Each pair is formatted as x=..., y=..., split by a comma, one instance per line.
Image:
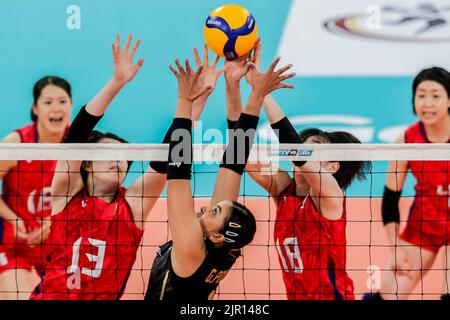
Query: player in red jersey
x=26, y=199
x=427, y=229
x=310, y=223
x=96, y=224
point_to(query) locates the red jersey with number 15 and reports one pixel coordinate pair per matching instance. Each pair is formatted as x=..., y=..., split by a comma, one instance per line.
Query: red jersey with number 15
x=26, y=190
x=311, y=250
x=90, y=251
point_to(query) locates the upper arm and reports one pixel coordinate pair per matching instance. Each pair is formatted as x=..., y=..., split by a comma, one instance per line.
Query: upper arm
x=7, y=165
x=187, y=235
x=66, y=183
x=273, y=181
x=325, y=190
x=143, y=194
x=397, y=171
x=227, y=186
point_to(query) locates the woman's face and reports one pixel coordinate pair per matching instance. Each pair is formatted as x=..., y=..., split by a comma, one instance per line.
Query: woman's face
x=212, y=218
x=53, y=109
x=107, y=176
x=431, y=102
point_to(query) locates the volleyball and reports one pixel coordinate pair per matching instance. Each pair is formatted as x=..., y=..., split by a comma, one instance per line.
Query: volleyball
x=231, y=31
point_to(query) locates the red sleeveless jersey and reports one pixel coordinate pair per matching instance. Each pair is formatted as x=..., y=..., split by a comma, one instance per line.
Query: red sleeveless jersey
x=90, y=251
x=428, y=222
x=26, y=190
x=311, y=250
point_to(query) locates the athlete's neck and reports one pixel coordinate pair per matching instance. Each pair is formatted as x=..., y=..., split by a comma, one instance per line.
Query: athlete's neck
x=439, y=132
x=101, y=194
x=44, y=136
x=301, y=189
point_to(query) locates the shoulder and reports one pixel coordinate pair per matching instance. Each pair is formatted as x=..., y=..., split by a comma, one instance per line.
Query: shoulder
x=13, y=137
x=413, y=133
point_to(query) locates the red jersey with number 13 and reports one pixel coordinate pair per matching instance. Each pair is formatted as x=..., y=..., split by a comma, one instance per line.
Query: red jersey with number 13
x=311, y=250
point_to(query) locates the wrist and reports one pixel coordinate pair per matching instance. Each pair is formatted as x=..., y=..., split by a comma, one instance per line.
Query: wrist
x=232, y=85
x=117, y=83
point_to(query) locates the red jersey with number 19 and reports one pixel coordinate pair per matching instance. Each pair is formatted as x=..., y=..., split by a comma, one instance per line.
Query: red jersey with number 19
x=311, y=250
x=90, y=251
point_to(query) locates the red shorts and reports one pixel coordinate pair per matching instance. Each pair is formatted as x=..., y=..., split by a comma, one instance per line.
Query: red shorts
x=11, y=258
x=429, y=235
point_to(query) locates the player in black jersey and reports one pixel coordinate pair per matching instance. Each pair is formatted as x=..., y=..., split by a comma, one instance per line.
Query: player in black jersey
x=206, y=244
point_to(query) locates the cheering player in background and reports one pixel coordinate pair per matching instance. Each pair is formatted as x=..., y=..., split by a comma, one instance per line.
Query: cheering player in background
x=26, y=198
x=97, y=225
x=428, y=227
x=311, y=210
x=205, y=245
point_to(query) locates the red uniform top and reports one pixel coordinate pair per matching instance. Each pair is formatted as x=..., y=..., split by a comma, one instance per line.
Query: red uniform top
x=311, y=250
x=90, y=251
x=431, y=202
x=27, y=191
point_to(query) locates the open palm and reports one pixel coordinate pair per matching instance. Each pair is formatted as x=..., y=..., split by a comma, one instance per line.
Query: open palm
x=209, y=75
x=124, y=69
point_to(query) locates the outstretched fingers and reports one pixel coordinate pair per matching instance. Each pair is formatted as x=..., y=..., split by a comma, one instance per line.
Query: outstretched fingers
x=174, y=71
x=205, y=55
x=197, y=58
x=180, y=67
x=274, y=64
x=127, y=44
x=135, y=47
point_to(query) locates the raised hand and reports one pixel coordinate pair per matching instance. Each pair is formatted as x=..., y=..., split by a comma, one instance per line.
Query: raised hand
x=124, y=69
x=236, y=69
x=189, y=87
x=256, y=59
x=209, y=75
x=264, y=83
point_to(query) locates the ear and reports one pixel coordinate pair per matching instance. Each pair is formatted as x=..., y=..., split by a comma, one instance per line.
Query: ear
x=332, y=167
x=217, y=238
x=34, y=109
x=87, y=165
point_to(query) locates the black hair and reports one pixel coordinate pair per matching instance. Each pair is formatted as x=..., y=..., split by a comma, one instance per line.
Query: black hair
x=95, y=137
x=45, y=81
x=348, y=170
x=436, y=74
x=239, y=227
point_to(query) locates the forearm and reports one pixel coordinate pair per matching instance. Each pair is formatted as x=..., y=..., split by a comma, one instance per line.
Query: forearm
x=184, y=109
x=82, y=126
x=98, y=105
x=233, y=100
x=5, y=211
x=272, y=109
x=392, y=232
x=254, y=104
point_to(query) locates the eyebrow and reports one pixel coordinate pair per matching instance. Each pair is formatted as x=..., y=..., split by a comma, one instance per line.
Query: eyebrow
x=60, y=97
x=220, y=208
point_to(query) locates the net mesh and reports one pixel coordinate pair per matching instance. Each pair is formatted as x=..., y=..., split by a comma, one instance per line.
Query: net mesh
x=258, y=274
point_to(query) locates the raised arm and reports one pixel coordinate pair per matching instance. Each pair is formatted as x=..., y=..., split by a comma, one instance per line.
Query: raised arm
x=145, y=191
x=187, y=235
x=322, y=182
x=67, y=179
x=238, y=150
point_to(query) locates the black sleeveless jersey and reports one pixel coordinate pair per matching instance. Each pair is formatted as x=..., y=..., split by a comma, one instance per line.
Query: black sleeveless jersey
x=164, y=284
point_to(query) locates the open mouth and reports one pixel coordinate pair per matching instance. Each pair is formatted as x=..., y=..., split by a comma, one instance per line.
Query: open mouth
x=428, y=114
x=56, y=120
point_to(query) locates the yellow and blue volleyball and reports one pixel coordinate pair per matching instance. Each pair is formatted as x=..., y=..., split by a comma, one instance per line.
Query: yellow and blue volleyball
x=231, y=31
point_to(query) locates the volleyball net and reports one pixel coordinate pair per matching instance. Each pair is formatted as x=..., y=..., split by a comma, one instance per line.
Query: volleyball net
x=258, y=274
